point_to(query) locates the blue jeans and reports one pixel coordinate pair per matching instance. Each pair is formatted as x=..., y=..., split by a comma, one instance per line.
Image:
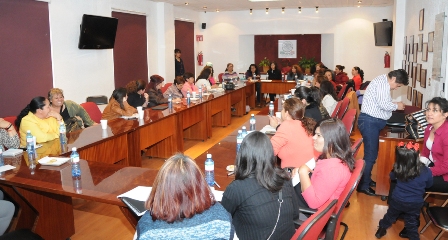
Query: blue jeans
x=411, y=212
x=370, y=128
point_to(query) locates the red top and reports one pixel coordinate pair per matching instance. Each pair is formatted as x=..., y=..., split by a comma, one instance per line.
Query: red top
x=290, y=138
x=327, y=182
x=438, y=150
x=189, y=87
x=358, y=81
x=341, y=78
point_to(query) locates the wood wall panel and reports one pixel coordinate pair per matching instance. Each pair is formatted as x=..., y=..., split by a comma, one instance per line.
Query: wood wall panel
x=102, y=152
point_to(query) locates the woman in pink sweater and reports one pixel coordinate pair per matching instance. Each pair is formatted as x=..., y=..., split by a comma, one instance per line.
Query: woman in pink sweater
x=333, y=168
x=293, y=141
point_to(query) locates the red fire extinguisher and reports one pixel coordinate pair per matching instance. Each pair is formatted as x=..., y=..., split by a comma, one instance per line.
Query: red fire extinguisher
x=200, y=58
x=386, y=60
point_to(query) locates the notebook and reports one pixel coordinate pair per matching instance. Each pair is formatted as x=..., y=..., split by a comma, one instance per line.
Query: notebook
x=159, y=107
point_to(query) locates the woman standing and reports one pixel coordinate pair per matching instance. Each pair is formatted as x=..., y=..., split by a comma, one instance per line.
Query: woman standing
x=176, y=88
x=40, y=120
x=178, y=63
x=333, y=167
x=136, y=93
x=189, y=85
x=261, y=199
x=118, y=105
x=274, y=74
x=294, y=131
x=358, y=77
x=181, y=205
x=252, y=74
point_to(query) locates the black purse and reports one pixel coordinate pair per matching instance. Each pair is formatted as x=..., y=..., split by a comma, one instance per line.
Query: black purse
x=416, y=124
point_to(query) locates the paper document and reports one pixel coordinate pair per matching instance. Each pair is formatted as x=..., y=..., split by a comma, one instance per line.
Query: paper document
x=6, y=168
x=135, y=115
x=311, y=164
x=268, y=129
x=12, y=152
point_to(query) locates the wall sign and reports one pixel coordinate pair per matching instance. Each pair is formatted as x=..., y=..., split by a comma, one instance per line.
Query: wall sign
x=199, y=38
x=287, y=48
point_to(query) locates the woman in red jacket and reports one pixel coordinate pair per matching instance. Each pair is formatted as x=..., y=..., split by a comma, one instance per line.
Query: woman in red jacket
x=341, y=76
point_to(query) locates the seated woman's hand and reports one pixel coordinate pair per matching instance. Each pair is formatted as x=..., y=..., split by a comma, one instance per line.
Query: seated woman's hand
x=4, y=123
x=304, y=169
x=55, y=115
x=274, y=121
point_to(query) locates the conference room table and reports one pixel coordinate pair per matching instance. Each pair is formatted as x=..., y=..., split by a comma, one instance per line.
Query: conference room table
x=277, y=86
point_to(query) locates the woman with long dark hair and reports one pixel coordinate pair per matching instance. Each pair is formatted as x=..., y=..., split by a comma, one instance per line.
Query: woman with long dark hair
x=181, y=205
x=333, y=167
x=274, y=74
x=40, y=120
x=155, y=94
x=136, y=93
x=295, y=73
x=261, y=200
x=204, y=79
x=312, y=99
x=294, y=131
x=118, y=105
x=358, y=77
x=329, y=97
x=341, y=77
x=252, y=74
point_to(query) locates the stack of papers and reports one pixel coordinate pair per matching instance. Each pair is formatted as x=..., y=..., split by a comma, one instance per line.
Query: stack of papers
x=12, y=152
x=268, y=129
x=135, y=115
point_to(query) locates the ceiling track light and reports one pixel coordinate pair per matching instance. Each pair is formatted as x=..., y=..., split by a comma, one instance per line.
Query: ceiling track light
x=267, y=10
x=283, y=9
x=300, y=9
x=317, y=9
x=217, y=10
x=186, y=3
x=359, y=1
x=251, y=11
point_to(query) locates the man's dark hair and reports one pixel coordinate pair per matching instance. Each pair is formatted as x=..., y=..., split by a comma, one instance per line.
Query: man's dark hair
x=401, y=76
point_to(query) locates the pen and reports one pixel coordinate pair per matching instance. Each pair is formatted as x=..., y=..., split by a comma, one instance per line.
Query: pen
x=230, y=173
x=217, y=184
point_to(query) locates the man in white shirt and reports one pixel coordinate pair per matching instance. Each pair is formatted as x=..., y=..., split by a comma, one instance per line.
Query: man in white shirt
x=377, y=107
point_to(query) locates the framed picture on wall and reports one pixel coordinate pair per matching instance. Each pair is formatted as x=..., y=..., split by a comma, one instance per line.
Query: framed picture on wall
x=408, y=53
x=409, y=93
x=410, y=69
x=425, y=52
x=423, y=78
x=414, y=74
x=420, y=42
x=421, y=19
x=414, y=97
x=404, y=45
x=419, y=101
x=417, y=73
x=430, y=41
x=403, y=65
x=411, y=41
x=415, y=52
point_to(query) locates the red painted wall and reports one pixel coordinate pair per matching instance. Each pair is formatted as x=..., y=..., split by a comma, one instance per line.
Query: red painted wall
x=308, y=45
x=184, y=40
x=130, y=61
x=25, y=54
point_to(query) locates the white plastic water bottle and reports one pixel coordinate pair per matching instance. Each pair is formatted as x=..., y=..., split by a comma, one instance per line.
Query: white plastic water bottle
x=239, y=140
x=62, y=133
x=244, y=130
x=252, y=122
x=76, y=167
x=2, y=162
x=271, y=108
x=30, y=151
x=200, y=92
x=188, y=98
x=254, y=77
x=210, y=170
x=204, y=88
x=170, y=102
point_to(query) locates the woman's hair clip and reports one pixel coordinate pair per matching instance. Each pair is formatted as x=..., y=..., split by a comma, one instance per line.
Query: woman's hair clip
x=410, y=145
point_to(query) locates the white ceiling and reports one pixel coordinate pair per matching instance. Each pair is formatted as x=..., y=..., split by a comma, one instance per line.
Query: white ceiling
x=235, y=5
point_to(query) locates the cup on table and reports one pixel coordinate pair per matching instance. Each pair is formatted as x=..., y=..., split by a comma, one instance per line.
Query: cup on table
x=103, y=124
x=104, y=133
x=293, y=90
x=194, y=94
x=139, y=109
x=278, y=115
x=141, y=114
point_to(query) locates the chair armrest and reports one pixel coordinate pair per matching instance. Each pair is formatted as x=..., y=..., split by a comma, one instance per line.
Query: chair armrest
x=307, y=210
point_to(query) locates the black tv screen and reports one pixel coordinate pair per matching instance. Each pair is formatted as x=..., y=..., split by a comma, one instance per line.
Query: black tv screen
x=383, y=33
x=97, y=32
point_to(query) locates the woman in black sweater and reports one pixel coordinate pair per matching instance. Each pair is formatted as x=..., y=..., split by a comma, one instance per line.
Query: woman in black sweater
x=274, y=74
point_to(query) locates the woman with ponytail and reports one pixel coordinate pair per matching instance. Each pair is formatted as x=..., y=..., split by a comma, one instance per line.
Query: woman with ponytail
x=358, y=77
x=294, y=132
x=40, y=120
x=341, y=77
x=312, y=99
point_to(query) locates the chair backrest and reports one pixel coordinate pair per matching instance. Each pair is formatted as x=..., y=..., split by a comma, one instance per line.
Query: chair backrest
x=349, y=120
x=333, y=226
x=12, y=119
x=356, y=146
x=165, y=87
x=364, y=85
x=220, y=77
x=98, y=100
x=342, y=92
x=313, y=226
x=344, y=107
x=93, y=111
x=336, y=109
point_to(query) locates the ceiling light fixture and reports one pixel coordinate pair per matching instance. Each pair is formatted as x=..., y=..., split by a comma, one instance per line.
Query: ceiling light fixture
x=300, y=9
x=267, y=10
x=283, y=9
x=186, y=3
x=359, y=1
x=317, y=9
x=359, y=6
x=217, y=10
x=251, y=11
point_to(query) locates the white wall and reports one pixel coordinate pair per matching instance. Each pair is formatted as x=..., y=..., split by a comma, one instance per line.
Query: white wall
x=411, y=9
x=226, y=38
x=82, y=73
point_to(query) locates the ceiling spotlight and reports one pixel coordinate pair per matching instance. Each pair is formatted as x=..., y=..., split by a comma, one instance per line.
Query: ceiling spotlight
x=317, y=9
x=251, y=11
x=204, y=7
x=300, y=9
x=267, y=10
x=359, y=6
x=217, y=10
x=186, y=3
x=359, y=1
x=283, y=9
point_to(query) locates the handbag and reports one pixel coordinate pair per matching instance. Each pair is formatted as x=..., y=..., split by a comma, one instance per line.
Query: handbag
x=416, y=124
x=73, y=124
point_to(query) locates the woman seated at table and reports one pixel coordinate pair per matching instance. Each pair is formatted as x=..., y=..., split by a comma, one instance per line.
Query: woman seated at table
x=341, y=77
x=311, y=98
x=182, y=206
x=8, y=135
x=252, y=74
x=204, y=79
x=189, y=85
x=329, y=100
x=229, y=73
x=358, y=77
x=333, y=167
x=40, y=120
x=261, y=199
x=7, y=209
x=435, y=144
x=294, y=131
x=74, y=115
x=118, y=105
x=318, y=80
x=155, y=94
x=176, y=88
x=212, y=78
x=274, y=74
x=320, y=69
x=136, y=93
x=330, y=77
x=295, y=73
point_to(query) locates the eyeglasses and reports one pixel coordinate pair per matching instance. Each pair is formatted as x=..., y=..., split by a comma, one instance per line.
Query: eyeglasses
x=434, y=110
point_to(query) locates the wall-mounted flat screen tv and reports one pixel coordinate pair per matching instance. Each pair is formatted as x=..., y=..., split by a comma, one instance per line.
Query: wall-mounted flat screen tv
x=383, y=33
x=97, y=32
